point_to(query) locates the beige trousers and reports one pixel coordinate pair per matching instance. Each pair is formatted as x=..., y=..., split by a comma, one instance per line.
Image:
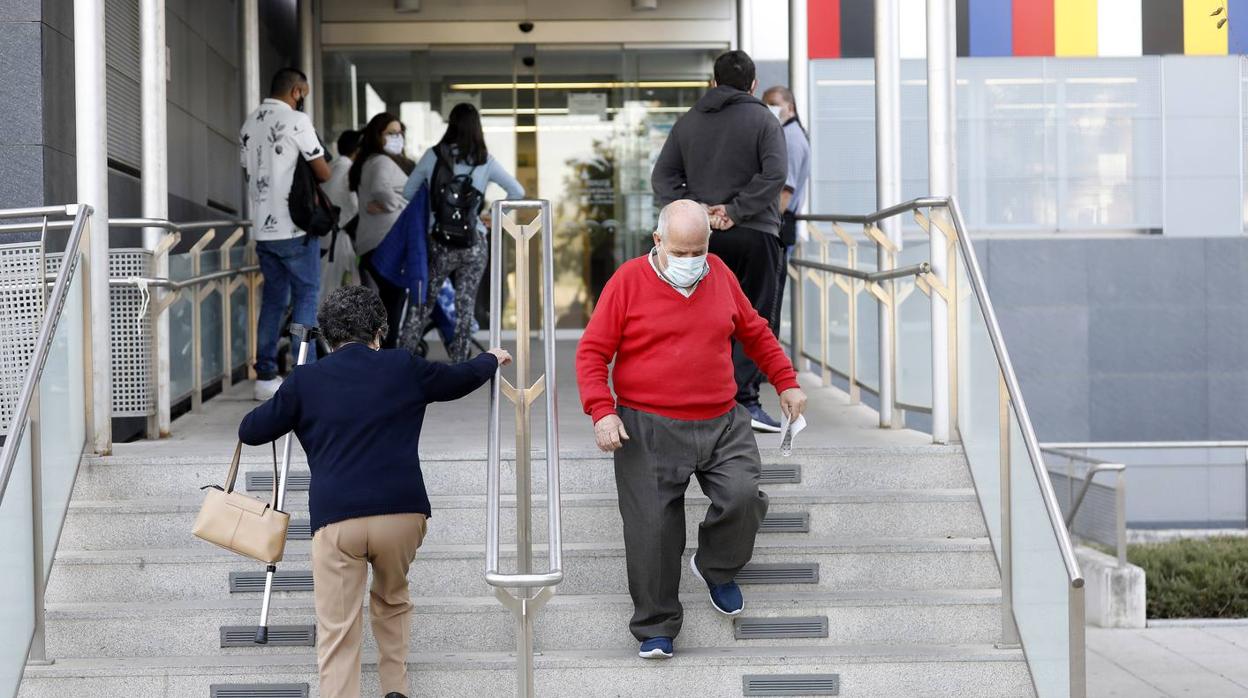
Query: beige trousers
x=341, y=554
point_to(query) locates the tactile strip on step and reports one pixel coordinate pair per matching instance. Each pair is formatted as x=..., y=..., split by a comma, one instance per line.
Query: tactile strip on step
x=771, y=475
x=299, y=529
x=262, y=481
x=791, y=685
x=786, y=522
x=258, y=690
x=292, y=580
x=779, y=628
x=779, y=573
x=279, y=635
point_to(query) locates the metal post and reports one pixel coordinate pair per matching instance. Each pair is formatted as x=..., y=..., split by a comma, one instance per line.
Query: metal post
x=797, y=316
x=1077, y=629
x=888, y=181
x=1009, y=630
x=227, y=285
x=251, y=54
x=38, y=654
x=745, y=26
x=306, y=61
x=799, y=64
x=91, y=132
x=195, y=293
x=524, y=542
x=942, y=181
x=156, y=189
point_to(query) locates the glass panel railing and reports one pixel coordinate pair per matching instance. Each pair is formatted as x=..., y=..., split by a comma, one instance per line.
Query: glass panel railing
x=810, y=316
x=979, y=413
x=868, y=309
x=1040, y=583
x=181, y=379
x=62, y=412
x=239, y=325
x=17, y=583
x=914, y=332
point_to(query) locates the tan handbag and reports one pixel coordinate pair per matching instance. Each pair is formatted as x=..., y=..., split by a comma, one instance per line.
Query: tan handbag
x=240, y=523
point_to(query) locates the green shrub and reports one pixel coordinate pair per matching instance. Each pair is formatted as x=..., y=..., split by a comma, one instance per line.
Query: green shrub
x=1195, y=578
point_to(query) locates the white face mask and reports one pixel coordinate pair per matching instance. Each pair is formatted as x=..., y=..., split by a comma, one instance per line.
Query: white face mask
x=684, y=271
x=775, y=111
x=394, y=144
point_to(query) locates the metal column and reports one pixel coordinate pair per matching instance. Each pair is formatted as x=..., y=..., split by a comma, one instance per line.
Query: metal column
x=156, y=187
x=942, y=175
x=91, y=133
x=306, y=54
x=745, y=26
x=799, y=64
x=251, y=55
x=888, y=183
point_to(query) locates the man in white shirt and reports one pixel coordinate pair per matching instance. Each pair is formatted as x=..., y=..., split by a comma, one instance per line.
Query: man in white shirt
x=273, y=138
x=339, y=268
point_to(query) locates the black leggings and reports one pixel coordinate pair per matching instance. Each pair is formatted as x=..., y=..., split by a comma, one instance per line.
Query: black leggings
x=393, y=297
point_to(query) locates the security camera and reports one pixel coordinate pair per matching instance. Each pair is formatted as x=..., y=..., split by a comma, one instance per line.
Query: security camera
x=528, y=61
x=526, y=27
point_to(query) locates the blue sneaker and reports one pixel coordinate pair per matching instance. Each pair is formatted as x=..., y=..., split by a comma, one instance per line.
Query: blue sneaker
x=656, y=648
x=726, y=598
x=761, y=421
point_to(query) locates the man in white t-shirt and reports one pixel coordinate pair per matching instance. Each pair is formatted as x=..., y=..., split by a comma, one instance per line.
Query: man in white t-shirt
x=339, y=267
x=273, y=138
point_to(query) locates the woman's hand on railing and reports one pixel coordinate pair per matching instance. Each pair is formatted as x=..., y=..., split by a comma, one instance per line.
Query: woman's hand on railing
x=503, y=356
x=609, y=433
x=793, y=403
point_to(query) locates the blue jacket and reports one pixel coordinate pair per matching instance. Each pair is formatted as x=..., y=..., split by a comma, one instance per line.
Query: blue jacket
x=403, y=257
x=358, y=414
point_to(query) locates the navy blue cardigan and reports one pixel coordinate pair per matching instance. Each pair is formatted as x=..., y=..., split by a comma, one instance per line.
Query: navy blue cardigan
x=358, y=414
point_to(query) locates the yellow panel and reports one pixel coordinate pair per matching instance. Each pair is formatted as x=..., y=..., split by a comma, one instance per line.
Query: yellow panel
x=1201, y=35
x=1074, y=27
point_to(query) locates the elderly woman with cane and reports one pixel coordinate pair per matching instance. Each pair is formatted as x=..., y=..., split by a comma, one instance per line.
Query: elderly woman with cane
x=358, y=415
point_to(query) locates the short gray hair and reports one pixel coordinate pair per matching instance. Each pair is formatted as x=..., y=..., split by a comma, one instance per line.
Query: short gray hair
x=665, y=215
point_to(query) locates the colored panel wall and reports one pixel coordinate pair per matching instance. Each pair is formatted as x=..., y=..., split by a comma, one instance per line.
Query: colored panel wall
x=857, y=28
x=1162, y=26
x=1237, y=31
x=1118, y=28
x=963, y=20
x=823, y=28
x=1201, y=36
x=1033, y=27
x=1074, y=27
x=991, y=28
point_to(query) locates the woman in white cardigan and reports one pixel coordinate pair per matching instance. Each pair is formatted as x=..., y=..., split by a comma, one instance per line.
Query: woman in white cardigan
x=377, y=176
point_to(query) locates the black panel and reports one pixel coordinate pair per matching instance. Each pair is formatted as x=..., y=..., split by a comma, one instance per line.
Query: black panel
x=857, y=28
x=1163, y=26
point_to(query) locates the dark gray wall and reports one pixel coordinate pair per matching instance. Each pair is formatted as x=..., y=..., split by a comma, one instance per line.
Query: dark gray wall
x=1126, y=338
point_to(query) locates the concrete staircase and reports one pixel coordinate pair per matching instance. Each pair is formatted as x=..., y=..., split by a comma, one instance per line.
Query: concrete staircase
x=874, y=574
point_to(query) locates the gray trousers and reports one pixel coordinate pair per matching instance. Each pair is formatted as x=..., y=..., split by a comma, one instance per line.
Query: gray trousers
x=652, y=472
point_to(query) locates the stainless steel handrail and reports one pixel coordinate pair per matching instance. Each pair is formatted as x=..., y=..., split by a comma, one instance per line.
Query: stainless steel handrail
x=900, y=272
x=47, y=330
x=1097, y=466
x=533, y=590
x=184, y=283
x=1124, y=445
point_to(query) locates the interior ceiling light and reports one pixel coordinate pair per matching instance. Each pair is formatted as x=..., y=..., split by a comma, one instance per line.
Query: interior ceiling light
x=642, y=84
x=407, y=5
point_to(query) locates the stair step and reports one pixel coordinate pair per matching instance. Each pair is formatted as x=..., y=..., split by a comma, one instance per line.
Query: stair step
x=782, y=573
x=278, y=636
x=967, y=671
x=791, y=685
x=258, y=690
x=283, y=580
x=201, y=570
x=847, y=515
x=780, y=628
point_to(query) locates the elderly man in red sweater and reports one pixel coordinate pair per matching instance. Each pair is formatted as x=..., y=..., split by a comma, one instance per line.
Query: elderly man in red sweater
x=667, y=320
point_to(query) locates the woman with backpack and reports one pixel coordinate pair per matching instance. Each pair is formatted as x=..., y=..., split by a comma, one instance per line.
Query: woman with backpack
x=457, y=170
x=377, y=176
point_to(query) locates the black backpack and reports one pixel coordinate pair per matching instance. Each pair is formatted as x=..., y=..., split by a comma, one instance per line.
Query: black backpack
x=310, y=208
x=456, y=205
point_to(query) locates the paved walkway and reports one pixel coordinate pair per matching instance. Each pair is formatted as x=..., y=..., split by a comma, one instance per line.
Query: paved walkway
x=1210, y=661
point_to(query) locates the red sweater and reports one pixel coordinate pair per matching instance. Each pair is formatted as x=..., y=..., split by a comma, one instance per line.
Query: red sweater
x=672, y=353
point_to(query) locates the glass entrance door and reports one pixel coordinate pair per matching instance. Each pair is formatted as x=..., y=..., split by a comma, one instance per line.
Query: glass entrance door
x=578, y=125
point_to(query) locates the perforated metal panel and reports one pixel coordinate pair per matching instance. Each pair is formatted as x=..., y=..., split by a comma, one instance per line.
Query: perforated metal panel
x=279, y=636
x=785, y=522
x=779, y=573
x=791, y=685
x=780, y=474
x=283, y=580
x=262, y=481
x=779, y=628
x=21, y=309
x=258, y=690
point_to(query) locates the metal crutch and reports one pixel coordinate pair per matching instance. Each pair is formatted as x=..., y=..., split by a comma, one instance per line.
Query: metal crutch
x=305, y=337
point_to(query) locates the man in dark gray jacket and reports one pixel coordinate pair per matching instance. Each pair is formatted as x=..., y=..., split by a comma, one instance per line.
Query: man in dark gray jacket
x=728, y=153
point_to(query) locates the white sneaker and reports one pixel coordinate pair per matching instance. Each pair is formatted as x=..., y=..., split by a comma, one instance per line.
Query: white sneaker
x=267, y=389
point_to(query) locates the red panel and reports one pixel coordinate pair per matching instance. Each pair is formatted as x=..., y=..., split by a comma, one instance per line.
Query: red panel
x=823, y=28
x=1033, y=27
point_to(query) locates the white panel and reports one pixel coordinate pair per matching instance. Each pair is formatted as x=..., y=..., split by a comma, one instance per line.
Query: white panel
x=1119, y=31
x=914, y=28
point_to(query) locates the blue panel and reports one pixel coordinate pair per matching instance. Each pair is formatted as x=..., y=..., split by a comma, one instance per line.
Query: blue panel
x=1238, y=39
x=991, y=28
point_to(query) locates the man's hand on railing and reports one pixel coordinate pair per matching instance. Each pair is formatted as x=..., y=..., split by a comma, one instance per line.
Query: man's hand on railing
x=503, y=356
x=793, y=403
x=609, y=433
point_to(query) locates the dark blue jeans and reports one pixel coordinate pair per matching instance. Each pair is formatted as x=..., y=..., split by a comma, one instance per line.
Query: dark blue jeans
x=292, y=272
